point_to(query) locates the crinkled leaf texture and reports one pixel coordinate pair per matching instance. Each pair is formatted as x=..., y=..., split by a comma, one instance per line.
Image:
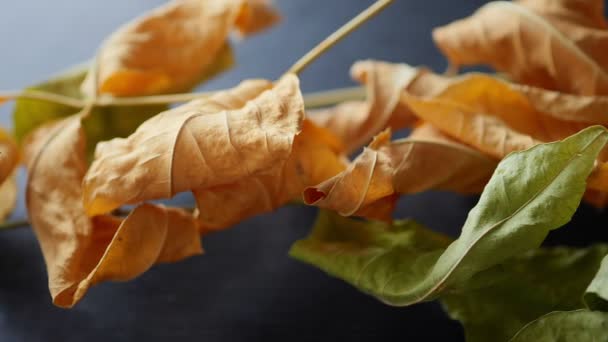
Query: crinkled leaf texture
x=530, y=193
x=81, y=251
x=566, y=326
x=405, y=166
x=495, y=304
x=241, y=152
x=357, y=122
x=530, y=46
x=169, y=48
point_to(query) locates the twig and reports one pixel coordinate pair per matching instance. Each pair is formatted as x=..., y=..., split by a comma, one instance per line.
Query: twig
x=44, y=96
x=338, y=35
x=331, y=97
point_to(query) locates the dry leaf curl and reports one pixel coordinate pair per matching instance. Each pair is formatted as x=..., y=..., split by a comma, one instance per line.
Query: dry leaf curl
x=169, y=48
x=512, y=38
x=80, y=251
x=357, y=122
x=404, y=166
x=202, y=144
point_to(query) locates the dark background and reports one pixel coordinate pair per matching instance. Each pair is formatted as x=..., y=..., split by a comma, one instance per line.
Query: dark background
x=245, y=288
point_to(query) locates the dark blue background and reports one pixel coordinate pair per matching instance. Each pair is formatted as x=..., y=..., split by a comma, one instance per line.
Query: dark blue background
x=245, y=288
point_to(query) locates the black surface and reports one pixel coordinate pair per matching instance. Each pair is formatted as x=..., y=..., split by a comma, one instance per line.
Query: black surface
x=245, y=288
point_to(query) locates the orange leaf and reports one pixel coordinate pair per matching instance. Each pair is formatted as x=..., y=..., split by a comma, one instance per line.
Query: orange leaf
x=513, y=38
x=170, y=47
x=357, y=122
x=314, y=158
x=367, y=187
x=205, y=143
x=80, y=251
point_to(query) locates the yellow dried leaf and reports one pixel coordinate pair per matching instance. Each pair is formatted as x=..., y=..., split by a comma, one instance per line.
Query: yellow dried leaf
x=315, y=157
x=367, y=187
x=205, y=143
x=80, y=251
x=514, y=39
x=9, y=155
x=357, y=122
x=8, y=196
x=170, y=47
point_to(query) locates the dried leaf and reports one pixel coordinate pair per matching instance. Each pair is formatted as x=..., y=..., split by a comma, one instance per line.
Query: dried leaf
x=531, y=193
x=8, y=196
x=9, y=156
x=315, y=157
x=357, y=122
x=202, y=144
x=404, y=166
x=80, y=251
x=170, y=47
x=514, y=39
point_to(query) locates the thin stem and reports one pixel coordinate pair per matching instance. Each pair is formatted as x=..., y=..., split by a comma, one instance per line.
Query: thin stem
x=331, y=97
x=150, y=100
x=14, y=224
x=338, y=35
x=44, y=96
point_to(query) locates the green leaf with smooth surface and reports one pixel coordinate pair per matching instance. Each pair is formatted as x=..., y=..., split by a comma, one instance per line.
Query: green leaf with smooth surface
x=566, y=326
x=596, y=296
x=495, y=304
x=530, y=193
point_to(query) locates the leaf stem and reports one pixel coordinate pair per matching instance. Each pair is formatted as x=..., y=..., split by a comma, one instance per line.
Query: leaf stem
x=312, y=100
x=338, y=35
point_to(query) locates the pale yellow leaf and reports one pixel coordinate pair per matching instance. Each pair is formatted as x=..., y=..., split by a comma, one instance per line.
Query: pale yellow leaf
x=171, y=47
x=528, y=47
x=315, y=157
x=80, y=251
x=205, y=143
x=9, y=155
x=357, y=122
x=8, y=196
x=424, y=161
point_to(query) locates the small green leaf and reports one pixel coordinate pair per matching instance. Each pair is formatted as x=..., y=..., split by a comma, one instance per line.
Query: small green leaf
x=530, y=193
x=596, y=296
x=494, y=304
x=566, y=326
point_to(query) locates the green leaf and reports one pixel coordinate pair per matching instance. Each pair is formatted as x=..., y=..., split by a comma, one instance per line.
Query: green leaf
x=530, y=193
x=568, y=326
x=596, y=296
x=494, y=304
x=104, y=122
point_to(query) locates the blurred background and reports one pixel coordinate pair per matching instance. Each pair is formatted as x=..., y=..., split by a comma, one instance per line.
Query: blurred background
x=244, y=288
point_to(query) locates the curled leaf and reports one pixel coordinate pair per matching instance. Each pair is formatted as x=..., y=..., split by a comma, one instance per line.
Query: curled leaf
x=315, y=156
x=514, y=39
x=205, y=143
x=9, y=156
x=169, y=48
x=8, y=196
x=80, y=251
x=357, y=122
x=404, y=166
x=516, y=211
